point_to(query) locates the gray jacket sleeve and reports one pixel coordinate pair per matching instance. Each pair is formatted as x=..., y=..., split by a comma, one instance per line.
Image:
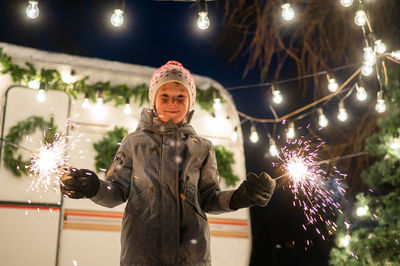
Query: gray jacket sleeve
x=212, y=199
x=115, y=189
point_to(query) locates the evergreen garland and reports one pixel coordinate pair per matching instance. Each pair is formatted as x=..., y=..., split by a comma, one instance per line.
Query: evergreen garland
x=107, y=147
x=13, y=161
x=225, y=161
x=374, y=239
x=117, y=94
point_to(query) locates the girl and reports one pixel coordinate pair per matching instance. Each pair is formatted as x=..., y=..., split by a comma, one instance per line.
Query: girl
x=168, y=176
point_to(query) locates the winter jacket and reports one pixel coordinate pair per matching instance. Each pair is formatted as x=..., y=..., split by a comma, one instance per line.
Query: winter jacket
x=168, y=176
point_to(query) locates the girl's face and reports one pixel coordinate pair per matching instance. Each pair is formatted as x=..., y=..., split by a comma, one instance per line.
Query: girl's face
x=172, y=102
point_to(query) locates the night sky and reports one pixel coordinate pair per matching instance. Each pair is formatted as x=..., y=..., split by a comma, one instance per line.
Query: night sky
x=153, y=33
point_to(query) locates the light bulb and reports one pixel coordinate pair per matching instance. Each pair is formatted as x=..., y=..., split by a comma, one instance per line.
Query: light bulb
x=322, y=120
x=32, y=11
x=342, y=114
x=291, y=133
x=346, y=3
x=68, y=76
x=41, y=96
x=367, y=69
x=369, y=55
x=396, y=142
x=34, y=84
x=362, y=211
x=117, y=19
x=253, y=135
x=396, y=54
x=273, y=150
x=203, y=22
x=332, y=85
x=99, y=111
x=361, y=93
x=127, y=109
x=287, y=12
x=217, y=104
x=380, y=106
x=234, y=136
x=86, y=104
x=361, y=18
x=99, y=102
x=345, y=241
x=277, y=96
x=380, y=46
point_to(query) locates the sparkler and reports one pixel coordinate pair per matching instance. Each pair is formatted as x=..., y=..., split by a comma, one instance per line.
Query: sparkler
x=47, y=165
x=303, y=167
x=314, y=183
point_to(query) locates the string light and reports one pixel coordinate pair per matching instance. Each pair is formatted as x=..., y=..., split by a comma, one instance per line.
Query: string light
x=361, y=92
x=253, y=135
x=32, y=11
x=396, y=142
x=380, y=106
x=369, y=55
x=276, y=95
x=127, y=109
x=273, y=150
x=322, y=120
x=99, y=111
x=217, y=101
x=291, y=133
x=287, y=12
x=361, y=18
x=68, y=76
x=234, y=136
x=380, y=46
x=396, y=54
x=203, y=22
x=342, y=114
x=117, y=19
x=345, y=241
x=362, y=210
x=346, y=3
x=332, y=84
x=34, y=84
x=86, y=104
x=367, y=69
x=41, y=95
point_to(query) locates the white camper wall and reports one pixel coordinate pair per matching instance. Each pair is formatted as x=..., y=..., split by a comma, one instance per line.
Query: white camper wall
x=89, y=234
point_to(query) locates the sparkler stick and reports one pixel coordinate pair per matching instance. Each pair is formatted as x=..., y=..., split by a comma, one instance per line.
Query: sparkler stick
x=330, y=160
x=17, y=146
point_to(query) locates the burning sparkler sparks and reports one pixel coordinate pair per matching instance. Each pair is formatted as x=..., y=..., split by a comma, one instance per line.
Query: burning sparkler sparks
x=47, y=165
x=309, y=180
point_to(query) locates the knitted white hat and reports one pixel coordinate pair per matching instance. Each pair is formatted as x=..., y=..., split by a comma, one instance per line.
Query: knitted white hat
x=172, y=71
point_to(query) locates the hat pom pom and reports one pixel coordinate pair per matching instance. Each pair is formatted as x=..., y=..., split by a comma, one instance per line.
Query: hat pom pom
x=175, y=63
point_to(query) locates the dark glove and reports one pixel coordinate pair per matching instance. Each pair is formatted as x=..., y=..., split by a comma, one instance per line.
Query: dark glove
x=79, y=183
x=255, y=190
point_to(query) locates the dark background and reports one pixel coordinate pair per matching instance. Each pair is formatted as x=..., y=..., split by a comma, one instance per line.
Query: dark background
x=153, y=33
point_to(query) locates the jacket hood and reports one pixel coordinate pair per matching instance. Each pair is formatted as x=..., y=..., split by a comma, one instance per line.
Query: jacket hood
x=150, y=121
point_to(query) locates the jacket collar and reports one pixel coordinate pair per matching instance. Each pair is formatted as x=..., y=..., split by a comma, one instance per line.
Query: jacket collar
x=150, y=121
